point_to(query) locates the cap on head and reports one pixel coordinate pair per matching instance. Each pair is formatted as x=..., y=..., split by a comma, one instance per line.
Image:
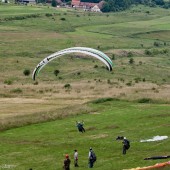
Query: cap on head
x=67, y=156
x=124, y=137
x=90, y=148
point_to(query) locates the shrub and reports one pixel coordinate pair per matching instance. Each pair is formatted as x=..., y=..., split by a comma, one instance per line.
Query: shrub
x=145, y=100
x=129, y=83
x=130, y=54
x=48, y=15
x=131, y=61
x=53, y=3
x=113, y=56
x=140, y=62
x=148, y=52
x=17, y=90
x=108, y=81
x=137, y=79
x=56, y=72
x=156, y=44
x=165, y=51
x=62, y=19
x=67, y=86
x=102, y=100
x=26, y=72
x=35, y=83
x=8, y=82
x=41, y=91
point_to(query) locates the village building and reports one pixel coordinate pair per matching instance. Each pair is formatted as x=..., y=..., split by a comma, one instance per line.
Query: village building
x=95, y=7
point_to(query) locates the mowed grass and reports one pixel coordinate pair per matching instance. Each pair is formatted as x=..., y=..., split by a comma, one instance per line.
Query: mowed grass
x=43, y=146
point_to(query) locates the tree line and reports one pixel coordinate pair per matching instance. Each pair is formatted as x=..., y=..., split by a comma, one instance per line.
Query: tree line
x=120, y=5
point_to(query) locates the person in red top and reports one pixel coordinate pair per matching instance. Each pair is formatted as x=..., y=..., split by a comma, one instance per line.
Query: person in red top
x=67, y=162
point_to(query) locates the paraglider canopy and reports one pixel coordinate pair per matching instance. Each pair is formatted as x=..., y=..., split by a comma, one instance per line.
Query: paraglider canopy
x=88, y=51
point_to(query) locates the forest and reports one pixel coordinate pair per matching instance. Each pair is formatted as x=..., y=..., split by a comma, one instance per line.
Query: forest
x=117, y=5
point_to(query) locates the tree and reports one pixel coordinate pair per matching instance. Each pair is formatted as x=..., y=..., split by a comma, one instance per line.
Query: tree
x=53, y=3
x=26, y=72
x=131, y=61
x=105, y=7
x=56, y=72
x=159, y=2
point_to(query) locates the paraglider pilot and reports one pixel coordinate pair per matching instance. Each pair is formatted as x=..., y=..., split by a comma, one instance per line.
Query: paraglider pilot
x=126, y=145
x=80, y=126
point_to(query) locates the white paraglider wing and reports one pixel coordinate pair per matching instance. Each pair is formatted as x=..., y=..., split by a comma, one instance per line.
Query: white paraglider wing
x=89, y=51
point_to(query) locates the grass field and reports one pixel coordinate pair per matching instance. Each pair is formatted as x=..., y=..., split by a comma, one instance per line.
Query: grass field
x=37, y=118
x=44, y=145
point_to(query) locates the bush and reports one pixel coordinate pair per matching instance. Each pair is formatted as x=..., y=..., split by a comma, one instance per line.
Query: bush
x=26, y=72
x=129, y=83
x=148, y=52
x=130, y=54
x=53, y=3
x=156, y=44
x=102, y=100
x=67, y=86
x=8, y=82
x=95, y=66
x=131, y=61
x=56, y=72
x=17, y=90
x=35, y=83
x=144, y=100
x=137, y=79
x=62, y=19
x=48, y=15
x=113, y=56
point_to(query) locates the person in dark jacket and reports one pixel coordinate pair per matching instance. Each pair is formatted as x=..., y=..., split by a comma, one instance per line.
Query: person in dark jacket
x=67, y=162
x=92, y=158
x=126, y=145
x=80, y=126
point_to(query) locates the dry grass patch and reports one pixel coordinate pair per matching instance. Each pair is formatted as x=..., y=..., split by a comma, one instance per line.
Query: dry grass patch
x=124, y=52
x=18, y=36
x=112, y=127
x=98, y=136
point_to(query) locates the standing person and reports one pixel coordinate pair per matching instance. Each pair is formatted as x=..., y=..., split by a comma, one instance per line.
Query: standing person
x=92, y=158
x=126, y=145
x=76, y=158
x=67, y=162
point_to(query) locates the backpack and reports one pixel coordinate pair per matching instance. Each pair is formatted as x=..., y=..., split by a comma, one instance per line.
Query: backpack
x=127, y=144
x=93, y=155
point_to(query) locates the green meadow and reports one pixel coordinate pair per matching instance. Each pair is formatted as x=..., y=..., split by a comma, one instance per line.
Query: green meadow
x=37, y=118
x=43, y=146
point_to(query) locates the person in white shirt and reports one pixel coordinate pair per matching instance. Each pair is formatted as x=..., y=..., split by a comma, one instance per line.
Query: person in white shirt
x=92, y=158
x=76, y=158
